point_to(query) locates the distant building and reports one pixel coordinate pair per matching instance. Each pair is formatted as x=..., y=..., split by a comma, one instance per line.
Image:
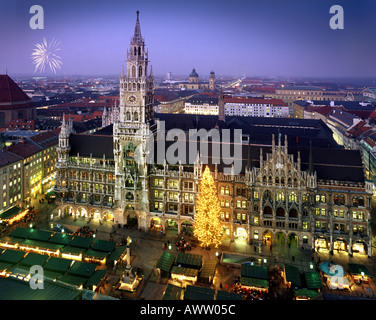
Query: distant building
x=369, y=92
x=14, y=103
x=291, y=94
x=243, y=107
x=194, y=82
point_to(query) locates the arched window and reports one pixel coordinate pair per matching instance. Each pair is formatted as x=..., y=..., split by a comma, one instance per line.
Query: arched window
x=342, y=200
x=280, y=212
x=361, y=201
x=268, y=210
x=293, y=197
x=267, y=195
x=135, y=51
x=336, y=199
x=139, y=51
x=133, y=72
x=355, y=201
x=293, y=213
x=276, y=180
x=128, y=116
x=140, y=71
x=280, y=196
x=135, y=116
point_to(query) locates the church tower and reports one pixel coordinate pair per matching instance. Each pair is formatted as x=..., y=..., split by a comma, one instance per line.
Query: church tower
x=133, y=133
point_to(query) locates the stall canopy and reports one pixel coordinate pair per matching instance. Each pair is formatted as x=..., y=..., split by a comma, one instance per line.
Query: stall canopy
x=313, y=280
x=357, y=269
x=14, y=289
x=60, y=238
x=254, y=283
x=82, y=269
x=103, y=245
x=208, y=271
x=22, y=233
x=58, y=264
x=96, y=278
x=117, y=253
x=187, y=272
x=292, y=275
x=33, y=259
x=173, y=293
x=189, y=260
x=40, y=235
x=224, y=295
x=253, y=271
x=10, y=213
x=165, y=262
x=73, y=280
x=81, y=242
x=198, y=293
x=98, y=255
x=307, y=294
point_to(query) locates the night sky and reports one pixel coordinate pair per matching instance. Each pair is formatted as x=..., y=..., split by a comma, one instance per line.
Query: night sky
x=258, y=38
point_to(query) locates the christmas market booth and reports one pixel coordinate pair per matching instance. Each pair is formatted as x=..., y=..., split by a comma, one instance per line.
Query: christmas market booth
x=13, y=214
x=173, y=292
x=306, y=294
x=165, y=264
x=198, y=293
x=254, y=277
x=184, y=274
x=292, y=276
x=189, y=260
x=208, y=271
x=359, y=273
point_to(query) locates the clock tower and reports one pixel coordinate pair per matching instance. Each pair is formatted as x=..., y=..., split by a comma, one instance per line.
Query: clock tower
x=133, y=133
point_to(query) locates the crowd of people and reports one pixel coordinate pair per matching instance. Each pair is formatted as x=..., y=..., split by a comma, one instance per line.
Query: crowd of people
x=85, y=232
x=182, y=245
x=248, y=293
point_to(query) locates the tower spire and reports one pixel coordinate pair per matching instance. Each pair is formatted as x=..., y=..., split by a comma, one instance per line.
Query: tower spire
x=137, y=30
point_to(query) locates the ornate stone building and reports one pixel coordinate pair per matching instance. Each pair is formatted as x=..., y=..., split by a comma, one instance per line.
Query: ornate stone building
x=287, y=193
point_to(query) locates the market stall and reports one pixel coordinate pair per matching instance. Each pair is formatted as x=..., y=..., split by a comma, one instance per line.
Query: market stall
x=165, y=264
x=359, y=273
x=198, y=293
x=184, y=274
x=173, y=293
x=189, y=260
x=208, y=271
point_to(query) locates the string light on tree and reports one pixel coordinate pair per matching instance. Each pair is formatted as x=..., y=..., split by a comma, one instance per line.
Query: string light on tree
x=207, y=223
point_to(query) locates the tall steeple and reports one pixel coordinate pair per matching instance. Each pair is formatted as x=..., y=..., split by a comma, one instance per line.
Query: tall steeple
x=137, y=37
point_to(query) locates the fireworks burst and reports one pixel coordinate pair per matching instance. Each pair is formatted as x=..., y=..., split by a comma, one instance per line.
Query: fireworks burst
x=44, y=56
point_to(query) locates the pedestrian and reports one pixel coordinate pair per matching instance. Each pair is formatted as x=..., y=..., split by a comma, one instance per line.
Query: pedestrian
x=220, y=285
x=293, y=258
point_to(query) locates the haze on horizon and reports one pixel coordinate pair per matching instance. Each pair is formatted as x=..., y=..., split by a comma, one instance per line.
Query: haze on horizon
x=256, y=38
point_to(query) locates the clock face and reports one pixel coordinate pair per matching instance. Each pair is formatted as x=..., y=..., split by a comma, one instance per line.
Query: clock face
x=132, y=99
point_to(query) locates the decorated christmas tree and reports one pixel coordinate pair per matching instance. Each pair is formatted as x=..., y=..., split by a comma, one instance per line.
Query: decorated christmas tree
x=207, y=223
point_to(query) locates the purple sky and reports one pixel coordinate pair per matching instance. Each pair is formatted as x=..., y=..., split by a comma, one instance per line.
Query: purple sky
x=269, y=37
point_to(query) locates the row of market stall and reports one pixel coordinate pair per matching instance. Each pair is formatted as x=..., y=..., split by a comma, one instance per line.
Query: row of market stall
x=173, y=292
x=186, y=267
x=18, y=264
x=63, y=245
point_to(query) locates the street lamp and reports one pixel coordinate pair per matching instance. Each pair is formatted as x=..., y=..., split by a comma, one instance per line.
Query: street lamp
x=169, y=246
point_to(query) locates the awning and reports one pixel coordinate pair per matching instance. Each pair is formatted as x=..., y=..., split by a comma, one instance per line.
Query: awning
x=313, y=280
x=357, y=269
x=165, y=262
x=57, y=264
x=10, y=213
x=34, y=259
x=253, y=282
x=224, y=295
x=304, y=293
x=117, y=253
x=173, y=293
x=292, y=275
x=82, y=242
x=74, y=280
x=198, y=293
x=189, y=260
x=253, y=271
x=187, y=272
x=96, y=278
x=22, y=233
x=82, y=269
x=99, y=255
x=11, y=256
x=103, y=245
x=208, y=270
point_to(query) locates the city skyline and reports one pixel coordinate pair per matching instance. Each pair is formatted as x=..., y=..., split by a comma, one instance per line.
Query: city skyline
x=268, y=39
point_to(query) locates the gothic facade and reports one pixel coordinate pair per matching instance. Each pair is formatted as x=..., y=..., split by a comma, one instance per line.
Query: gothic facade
x=282, y=196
